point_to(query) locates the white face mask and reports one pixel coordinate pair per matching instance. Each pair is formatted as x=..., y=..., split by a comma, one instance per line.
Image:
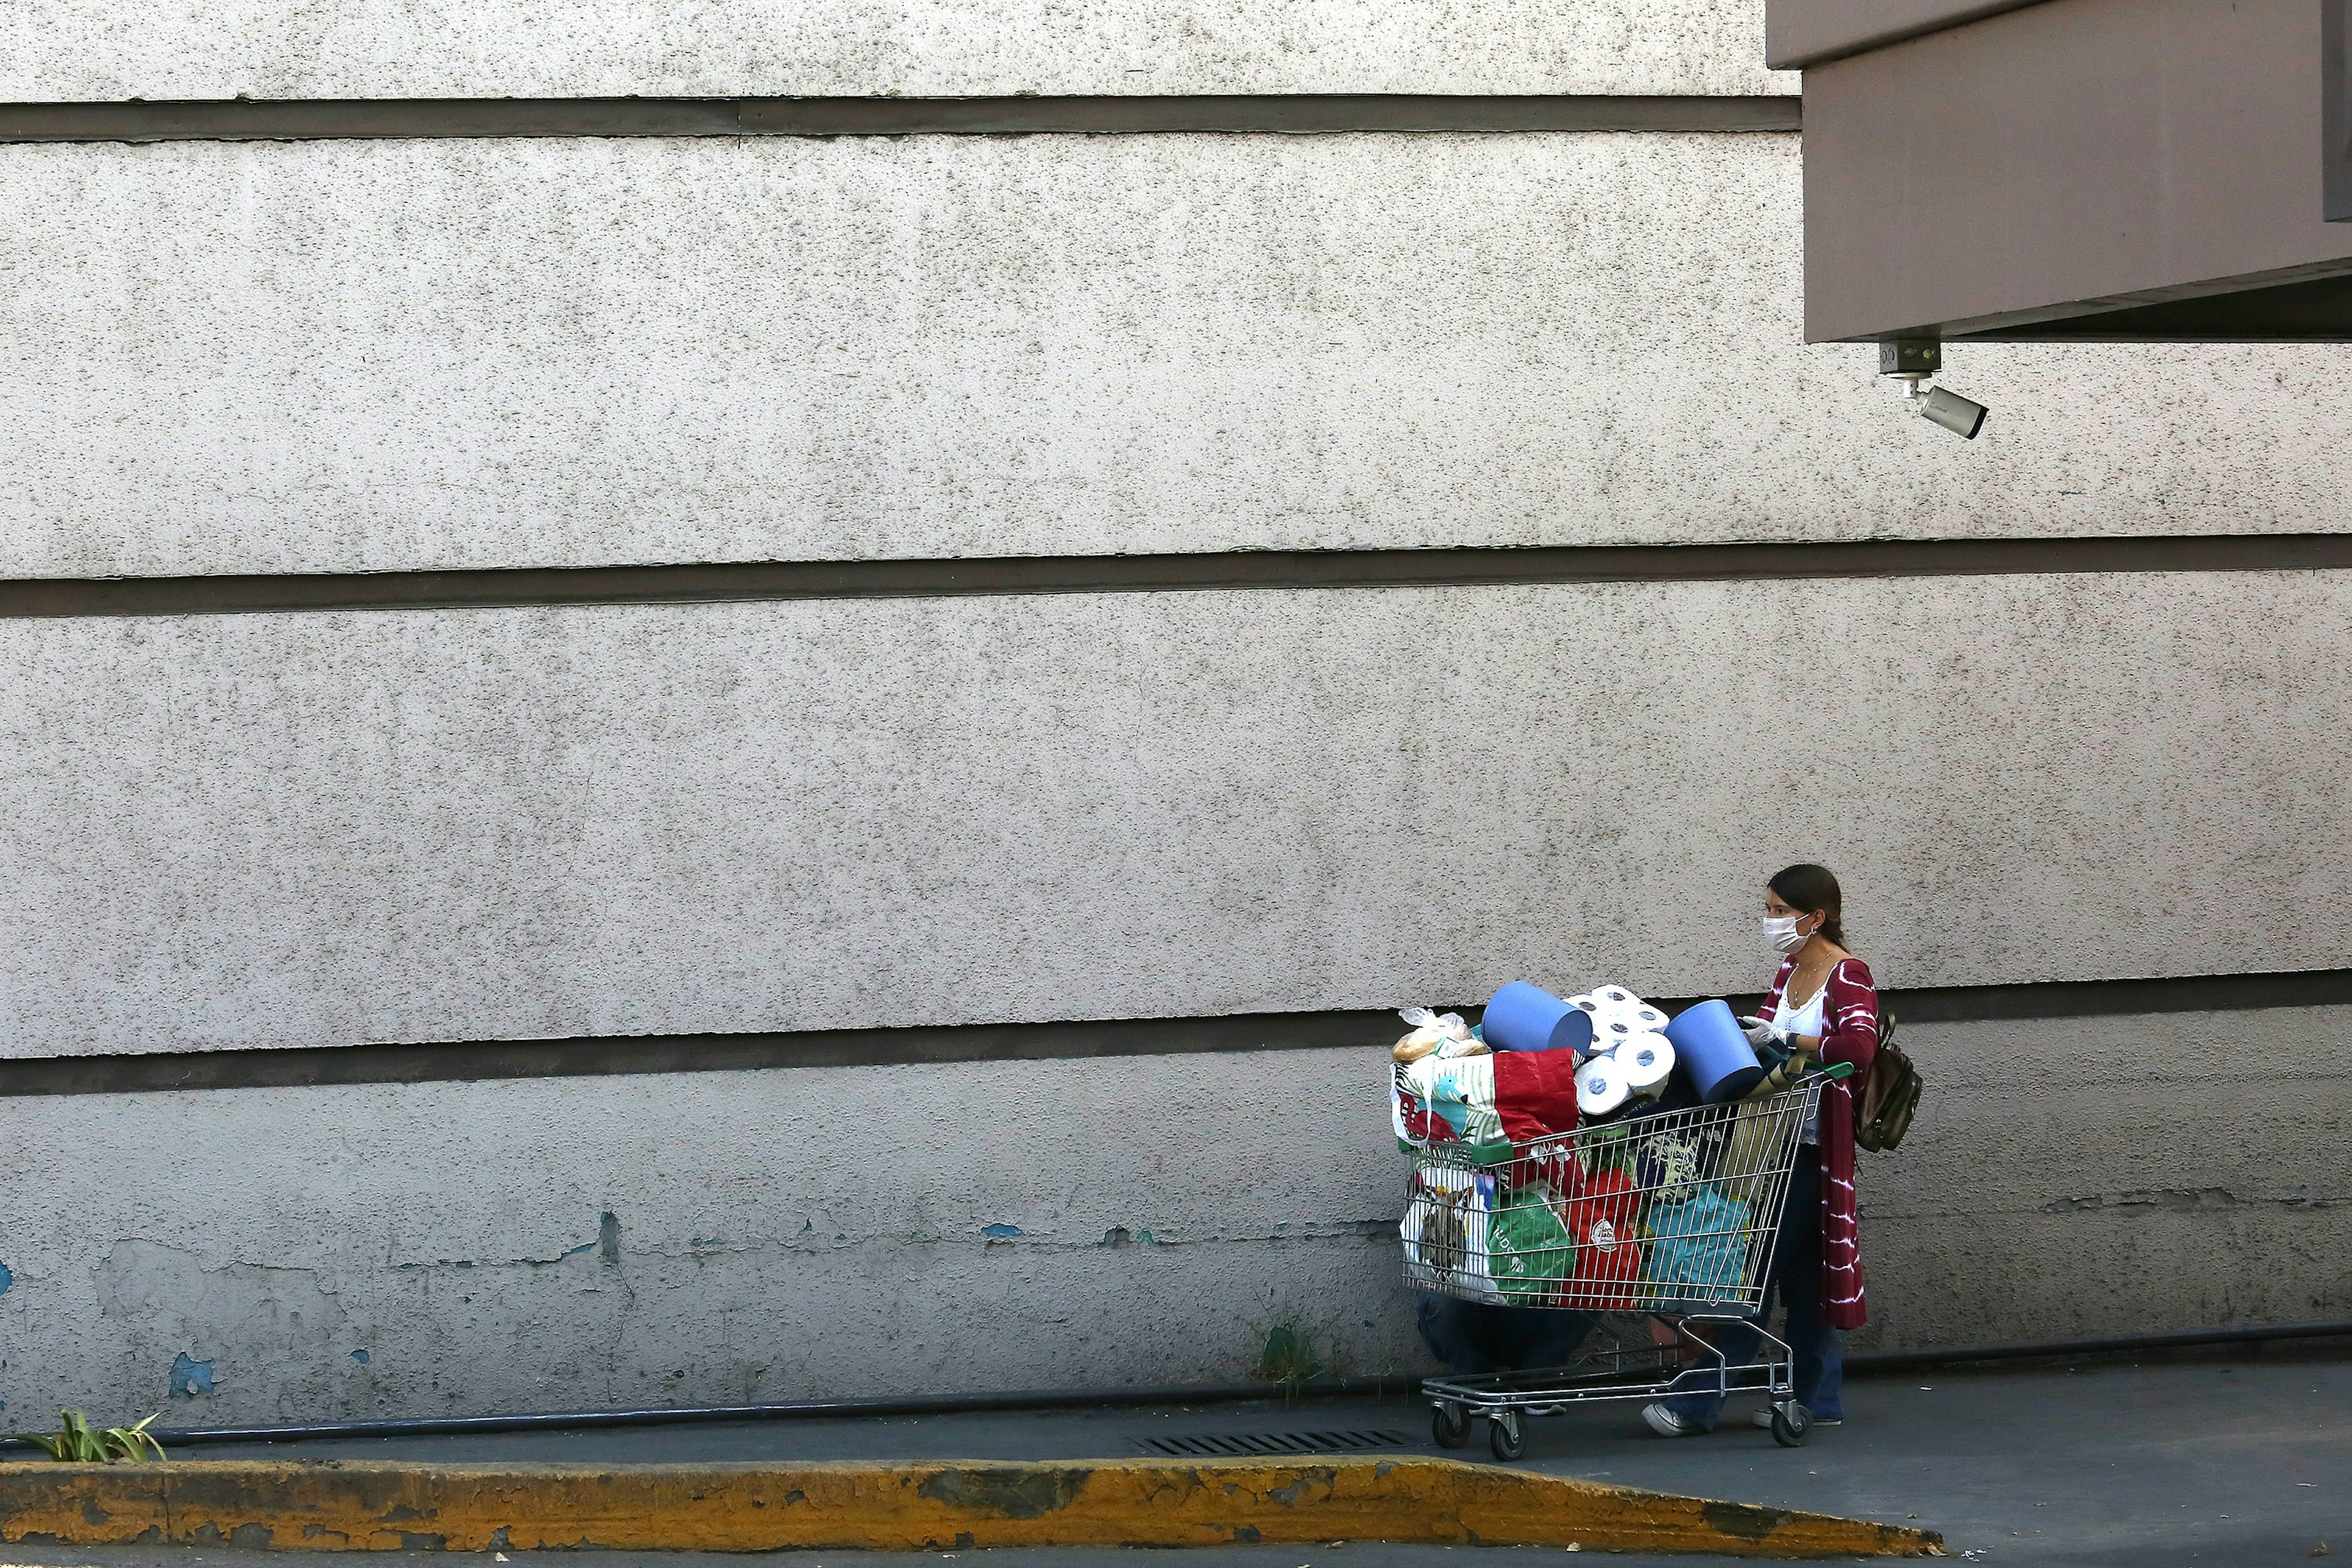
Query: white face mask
x=1782, y=934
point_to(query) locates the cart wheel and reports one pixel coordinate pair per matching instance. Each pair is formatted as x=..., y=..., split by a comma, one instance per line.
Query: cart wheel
x=1450, y=1425
x=1791, y=1423
x=1506, y=1433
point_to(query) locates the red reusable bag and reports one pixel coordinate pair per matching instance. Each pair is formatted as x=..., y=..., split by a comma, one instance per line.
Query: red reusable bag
x=1601, y=1222
x=1534, y=1093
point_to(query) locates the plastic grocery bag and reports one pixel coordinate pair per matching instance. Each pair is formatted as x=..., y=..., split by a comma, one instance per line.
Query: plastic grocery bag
x=1435, y=1035
x=1446, y=1226
x=1529, y=1251
x=1699, y=1247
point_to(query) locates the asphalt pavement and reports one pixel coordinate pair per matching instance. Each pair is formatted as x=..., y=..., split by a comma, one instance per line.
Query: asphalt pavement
x=2243, y=1461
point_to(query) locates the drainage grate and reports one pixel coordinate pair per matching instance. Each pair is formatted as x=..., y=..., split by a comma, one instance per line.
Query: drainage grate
x=1248, y=1445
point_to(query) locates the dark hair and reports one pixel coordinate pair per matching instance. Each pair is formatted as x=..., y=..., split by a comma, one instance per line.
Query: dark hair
x=1814, y=891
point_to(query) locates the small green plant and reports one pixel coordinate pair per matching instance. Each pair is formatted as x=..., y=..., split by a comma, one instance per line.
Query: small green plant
x=77, y=1442
x=1289, y=1358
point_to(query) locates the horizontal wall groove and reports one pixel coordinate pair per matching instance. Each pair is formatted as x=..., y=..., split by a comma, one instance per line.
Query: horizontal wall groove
x=467, y=1061
x=1259, y=113
x=497, y=587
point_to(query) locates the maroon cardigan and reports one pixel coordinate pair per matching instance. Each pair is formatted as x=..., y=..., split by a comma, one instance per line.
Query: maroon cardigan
x=1849, y=1034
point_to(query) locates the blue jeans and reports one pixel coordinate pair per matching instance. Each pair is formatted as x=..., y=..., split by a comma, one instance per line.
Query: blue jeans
x=1471, y=1337
x=1795, y=1276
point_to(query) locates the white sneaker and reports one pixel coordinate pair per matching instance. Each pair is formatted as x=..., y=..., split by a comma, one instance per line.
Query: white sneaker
x=1666, y=1424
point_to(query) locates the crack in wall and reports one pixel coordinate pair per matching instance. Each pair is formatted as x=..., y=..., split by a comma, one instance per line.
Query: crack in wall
x=584, y=1248
x=1000, y=1237
x=610, y=1251
x=606, y=1247
x=2181, y=1200
x=309, y=1273
x=2170, y=1200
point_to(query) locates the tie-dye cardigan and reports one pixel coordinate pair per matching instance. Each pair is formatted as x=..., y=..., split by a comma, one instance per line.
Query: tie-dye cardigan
x=1849, y=1034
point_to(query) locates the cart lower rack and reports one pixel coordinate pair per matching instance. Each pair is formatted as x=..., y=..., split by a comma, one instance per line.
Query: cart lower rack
x=1666, y=1219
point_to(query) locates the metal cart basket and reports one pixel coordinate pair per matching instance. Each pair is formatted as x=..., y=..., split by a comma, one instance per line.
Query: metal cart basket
x=1666, y=1218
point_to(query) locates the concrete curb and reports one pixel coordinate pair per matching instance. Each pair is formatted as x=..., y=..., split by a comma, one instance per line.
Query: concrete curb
x=337, y=1506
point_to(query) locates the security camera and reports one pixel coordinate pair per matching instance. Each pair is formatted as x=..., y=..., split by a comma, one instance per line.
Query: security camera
x=1952, y=411
x=1911, y=361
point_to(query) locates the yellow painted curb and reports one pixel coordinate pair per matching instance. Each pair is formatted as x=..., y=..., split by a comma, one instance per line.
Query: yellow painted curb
x=334, y=1505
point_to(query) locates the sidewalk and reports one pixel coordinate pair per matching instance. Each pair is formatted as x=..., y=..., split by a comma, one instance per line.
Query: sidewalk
x=2235, y=1462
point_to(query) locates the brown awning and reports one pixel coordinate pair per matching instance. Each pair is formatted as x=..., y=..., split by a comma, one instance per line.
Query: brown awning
x=2090, y=170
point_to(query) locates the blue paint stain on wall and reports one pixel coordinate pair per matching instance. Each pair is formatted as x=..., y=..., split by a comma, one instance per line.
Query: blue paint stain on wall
x=6, y=1279
x=359, y=1357
x=191, y=1376
x=1000, y=1232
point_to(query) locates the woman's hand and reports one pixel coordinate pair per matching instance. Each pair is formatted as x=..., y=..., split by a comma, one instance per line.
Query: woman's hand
x=1757, y=1031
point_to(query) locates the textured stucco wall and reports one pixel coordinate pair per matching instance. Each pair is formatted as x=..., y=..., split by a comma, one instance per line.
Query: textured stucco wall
x=776, y=1231
x=321, y=829
x=784, y=1234
x=503, y=48
x=2087, y=1176
x=376, y=356
x=308, y=829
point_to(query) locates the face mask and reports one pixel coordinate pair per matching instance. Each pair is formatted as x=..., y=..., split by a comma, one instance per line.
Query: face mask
x=1782, y=934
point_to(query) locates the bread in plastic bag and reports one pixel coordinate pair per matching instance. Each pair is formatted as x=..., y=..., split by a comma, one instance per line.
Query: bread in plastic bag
x=1445, y=1035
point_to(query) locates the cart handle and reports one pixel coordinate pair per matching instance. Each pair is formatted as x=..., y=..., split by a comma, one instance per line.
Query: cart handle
x=1836, y=1071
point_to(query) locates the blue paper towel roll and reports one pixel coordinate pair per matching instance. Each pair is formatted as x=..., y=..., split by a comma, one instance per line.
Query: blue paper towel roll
x=1521, y=1017
x=1711, y=1048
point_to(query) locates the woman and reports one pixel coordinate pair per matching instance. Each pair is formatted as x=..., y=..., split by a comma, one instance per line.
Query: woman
x=1822, y=1004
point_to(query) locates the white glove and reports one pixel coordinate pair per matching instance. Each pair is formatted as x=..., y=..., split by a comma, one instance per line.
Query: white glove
x=1758, y=1032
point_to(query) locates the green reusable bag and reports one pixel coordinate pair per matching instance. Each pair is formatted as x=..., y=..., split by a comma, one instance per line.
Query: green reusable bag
x=1529, y=1252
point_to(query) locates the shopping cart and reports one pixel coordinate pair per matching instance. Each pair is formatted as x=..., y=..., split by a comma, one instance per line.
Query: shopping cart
x=1664, y=1219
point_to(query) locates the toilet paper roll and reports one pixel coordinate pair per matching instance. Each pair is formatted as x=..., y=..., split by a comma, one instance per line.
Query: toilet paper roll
x=1647, y=1061
x=1610, y=1030
x=1607, y=1001
x=1601, y=1086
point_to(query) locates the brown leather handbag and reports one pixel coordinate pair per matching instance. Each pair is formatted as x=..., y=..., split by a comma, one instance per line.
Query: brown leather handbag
x=1889, y=1099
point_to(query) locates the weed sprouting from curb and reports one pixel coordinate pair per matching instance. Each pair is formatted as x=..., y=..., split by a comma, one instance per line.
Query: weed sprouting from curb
x=77, y=1442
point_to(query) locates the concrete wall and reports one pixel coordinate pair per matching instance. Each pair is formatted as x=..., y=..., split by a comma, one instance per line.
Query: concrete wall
x=502, y=49
x=382, y=355
x=322, y=829
x=913, y=1229
x=2086, y=1176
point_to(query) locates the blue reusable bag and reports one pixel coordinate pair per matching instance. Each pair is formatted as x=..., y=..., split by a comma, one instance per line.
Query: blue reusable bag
x=1698, y=1247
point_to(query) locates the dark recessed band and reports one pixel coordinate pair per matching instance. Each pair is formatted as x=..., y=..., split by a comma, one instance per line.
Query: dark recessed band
x=1301, y=113
x=1232, y=570
x=604, y=1055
